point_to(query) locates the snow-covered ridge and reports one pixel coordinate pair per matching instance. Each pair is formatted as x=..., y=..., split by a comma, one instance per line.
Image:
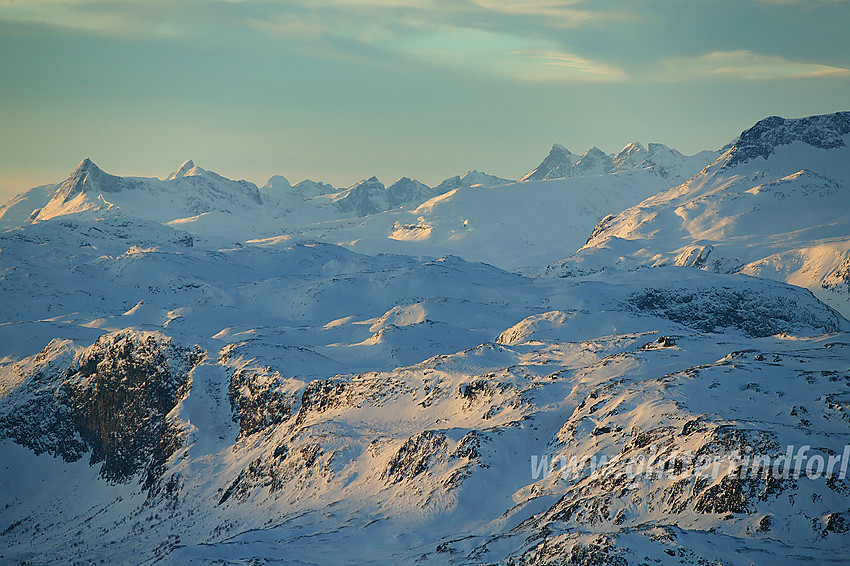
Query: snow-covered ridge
x=775, y=205
x=203, y=191
x=463, y=215
x=826, y=131
x=189, y=191
x=561, y=163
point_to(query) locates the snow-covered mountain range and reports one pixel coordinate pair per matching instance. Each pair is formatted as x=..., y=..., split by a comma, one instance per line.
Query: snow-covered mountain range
x=776, y=204
x=462, y=215
x=666, y=162
x=200, y=370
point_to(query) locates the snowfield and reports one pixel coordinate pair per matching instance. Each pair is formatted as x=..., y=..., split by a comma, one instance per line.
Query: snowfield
x=199, y=370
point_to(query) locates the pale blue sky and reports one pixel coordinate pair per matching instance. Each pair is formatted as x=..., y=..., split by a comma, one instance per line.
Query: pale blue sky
x=339, y=90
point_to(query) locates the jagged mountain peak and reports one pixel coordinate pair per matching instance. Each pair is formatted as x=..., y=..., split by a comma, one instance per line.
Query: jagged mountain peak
x=656, y=148
x=594, y=151
x=824, y=131
x=371, y=182
x=189, y=191
x=370, y=196
x=764, y=208
x=407, y=190
x=471, y=178
x=560, y=153
x=632, y=154
x=179, y=398
x=664, y=161
x=85, y=166
x=594, y=162
x=631, y=148
x=556, y=165
x=405, y=182
x=480, y=178
x=559, y=149
x=309, y=188
x=216, y=185
x=187, y=169
x=88, y=177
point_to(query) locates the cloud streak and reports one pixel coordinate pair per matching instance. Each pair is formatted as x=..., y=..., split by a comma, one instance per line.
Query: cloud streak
x=488, y=53
x=552, y=12
x=743, y=65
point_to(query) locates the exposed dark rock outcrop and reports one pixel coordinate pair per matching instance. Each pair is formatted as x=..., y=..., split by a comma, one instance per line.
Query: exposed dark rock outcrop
x=112, y=401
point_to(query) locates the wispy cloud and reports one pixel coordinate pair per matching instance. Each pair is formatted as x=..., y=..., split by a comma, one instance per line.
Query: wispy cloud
x=127, y=18
x=558, y=13
x=744, y=65
x=561, y=66
x=488, y=53
x=74, y=14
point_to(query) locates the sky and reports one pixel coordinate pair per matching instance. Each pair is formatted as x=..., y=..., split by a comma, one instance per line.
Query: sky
x=340, y=90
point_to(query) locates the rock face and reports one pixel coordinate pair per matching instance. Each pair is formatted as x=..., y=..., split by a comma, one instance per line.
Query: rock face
x=593, y=162
x=89, y=177
x=308, y=188
x=371, y=197
x=826, y=131
x=259, y=400
x=111, y=401
x=406, y=191
x=557, y=165
x=756, y=314
x=363, y=198
x=120, y=395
